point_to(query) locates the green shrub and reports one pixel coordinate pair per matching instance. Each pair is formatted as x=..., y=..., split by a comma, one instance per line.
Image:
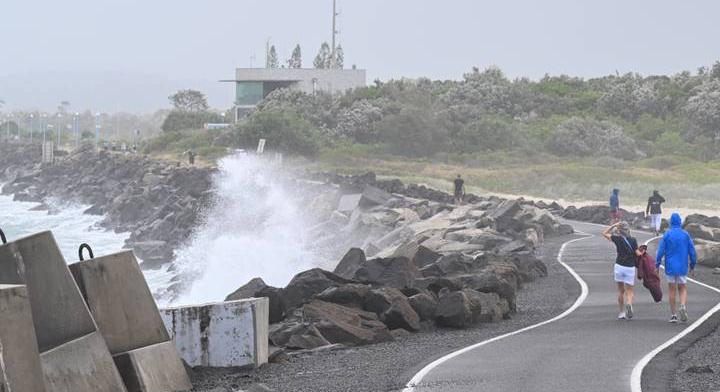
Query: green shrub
x=178, y=120
x=283, y=129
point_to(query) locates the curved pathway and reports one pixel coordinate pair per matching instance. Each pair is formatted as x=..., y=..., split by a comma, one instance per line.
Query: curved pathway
x=585, y=349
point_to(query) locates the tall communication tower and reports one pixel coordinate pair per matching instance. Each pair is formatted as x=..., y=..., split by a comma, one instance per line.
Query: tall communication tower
x=334, y=33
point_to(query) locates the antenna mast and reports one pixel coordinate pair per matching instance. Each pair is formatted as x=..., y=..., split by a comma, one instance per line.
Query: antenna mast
x=334, y=33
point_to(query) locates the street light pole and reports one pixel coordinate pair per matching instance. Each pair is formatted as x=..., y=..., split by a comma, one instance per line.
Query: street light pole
x=31, y=127
x=97, y=130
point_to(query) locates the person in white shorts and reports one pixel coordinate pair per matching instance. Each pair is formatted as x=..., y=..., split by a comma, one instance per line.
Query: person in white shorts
x=678, y=250
x=624, y=270
x=654, y=209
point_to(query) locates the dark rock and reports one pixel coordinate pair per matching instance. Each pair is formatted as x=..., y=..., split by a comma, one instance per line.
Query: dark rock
x=257, y=288
x=504, y=213
x=350, y=263
x=455, y=263
x=352, y=295
x=437, y=283
x=424, y=305
x=432, y=270
x=340, y=324
x=398, y=272
x=296, y=335
x=425, y=256
x=458, y=309
x=393, y=308
x=305, y=285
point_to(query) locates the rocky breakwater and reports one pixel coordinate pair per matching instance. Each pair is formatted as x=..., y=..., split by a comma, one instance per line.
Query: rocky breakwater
x=438, y=265
x=705, y=231
x=158, y=203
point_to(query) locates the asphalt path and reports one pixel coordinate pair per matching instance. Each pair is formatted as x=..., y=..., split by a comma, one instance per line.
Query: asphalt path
x=585, y=349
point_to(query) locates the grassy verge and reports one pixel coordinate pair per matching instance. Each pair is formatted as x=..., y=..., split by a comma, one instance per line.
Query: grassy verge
x=684, y=182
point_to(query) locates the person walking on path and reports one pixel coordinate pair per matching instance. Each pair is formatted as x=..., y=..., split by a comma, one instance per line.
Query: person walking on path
x=615, y=213
x=654, y=209
x=459, y=190
x=678, y=250
x=624, y=270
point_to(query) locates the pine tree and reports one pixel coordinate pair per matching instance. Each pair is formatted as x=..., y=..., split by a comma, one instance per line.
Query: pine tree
x=272, y=60
x=322, y=60
x=295, y=60
x=339, y=61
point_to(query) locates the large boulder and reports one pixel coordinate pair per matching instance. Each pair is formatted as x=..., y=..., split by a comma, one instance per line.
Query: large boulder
x=305, y=285
x=296, y=335
x=709, y=221
x=425, y=256
x=340, y=324
x=398, y=272
x=708, y=254
x=455, y=263
x=504, y=214
x=393, y=308
x=703, y=232
x=352, y=295
x=373, y=196
x=257, y=288
x=458, y=309
x=425, y=305
x=350, y=263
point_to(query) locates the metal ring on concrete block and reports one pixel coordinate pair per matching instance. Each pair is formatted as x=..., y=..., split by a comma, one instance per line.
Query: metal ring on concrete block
x=2, y=237
x=80, y=252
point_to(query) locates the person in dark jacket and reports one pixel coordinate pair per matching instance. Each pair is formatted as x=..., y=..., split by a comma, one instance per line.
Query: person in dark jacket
x=678, y=250
x=615, y=213
x=624, y=270
x=459, y=193
x=654, y=209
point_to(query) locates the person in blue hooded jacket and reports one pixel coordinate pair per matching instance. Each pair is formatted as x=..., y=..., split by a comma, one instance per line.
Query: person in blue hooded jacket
x=615, y=213
x=678, y=250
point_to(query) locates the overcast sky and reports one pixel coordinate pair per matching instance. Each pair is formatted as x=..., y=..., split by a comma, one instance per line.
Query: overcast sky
x=131, y=54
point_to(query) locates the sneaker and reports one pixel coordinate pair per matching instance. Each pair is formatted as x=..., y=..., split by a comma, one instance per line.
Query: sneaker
x=629, y=311
x=683, y=314
x=673, y=319
x=621, y=316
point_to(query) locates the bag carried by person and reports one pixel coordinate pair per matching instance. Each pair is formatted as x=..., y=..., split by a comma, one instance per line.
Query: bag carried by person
x=650, y=279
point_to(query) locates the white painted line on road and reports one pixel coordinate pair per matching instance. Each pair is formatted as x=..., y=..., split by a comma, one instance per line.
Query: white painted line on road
x=636, y=376
x=415, y=381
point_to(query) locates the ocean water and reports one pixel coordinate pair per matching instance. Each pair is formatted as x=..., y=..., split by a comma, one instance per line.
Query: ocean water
x=70, y=227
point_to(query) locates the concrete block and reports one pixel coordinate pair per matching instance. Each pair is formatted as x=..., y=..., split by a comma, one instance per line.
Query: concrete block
x=20, y=369
x=73, y=355
x=128, y=318
x=58, y=310
x=81, y=365
x=120, y=301
x=223, y=334
x=156, y=368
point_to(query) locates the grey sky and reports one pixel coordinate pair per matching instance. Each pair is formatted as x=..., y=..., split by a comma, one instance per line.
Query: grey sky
x=131, y=54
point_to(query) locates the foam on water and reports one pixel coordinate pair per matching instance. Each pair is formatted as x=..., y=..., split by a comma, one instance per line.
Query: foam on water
x=256, y=228
x=71, y=227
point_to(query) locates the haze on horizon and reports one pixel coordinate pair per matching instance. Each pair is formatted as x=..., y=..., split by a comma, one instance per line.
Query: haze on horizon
x=130, y=54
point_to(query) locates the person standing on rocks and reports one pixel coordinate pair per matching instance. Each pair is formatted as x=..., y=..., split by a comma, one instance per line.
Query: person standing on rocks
x=654, y=209
x=615, y=213
x=459, y=190
x=624, y=270
x=678, y=250
x=191, y=157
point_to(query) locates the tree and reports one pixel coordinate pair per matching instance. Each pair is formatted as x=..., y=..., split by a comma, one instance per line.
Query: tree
x=189, y=101
x=295, y=60
x=283, y=129
x=339, y=60
x=588, y=137
x=322, y=60
x=272, y=58
x=703, y=109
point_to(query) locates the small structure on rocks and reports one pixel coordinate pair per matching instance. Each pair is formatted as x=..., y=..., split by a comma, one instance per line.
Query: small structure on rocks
x=224, y=334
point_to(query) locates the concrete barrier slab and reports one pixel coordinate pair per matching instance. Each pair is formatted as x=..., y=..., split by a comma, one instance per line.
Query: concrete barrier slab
x=58, y=310
x=223, y=334
x=120, y=301
x=73, y=355
x=155, y=368
x=128, y=318
x=20, y=369
x=81, y=365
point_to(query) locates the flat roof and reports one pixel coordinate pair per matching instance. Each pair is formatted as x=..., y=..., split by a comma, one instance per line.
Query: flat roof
x=288, y=74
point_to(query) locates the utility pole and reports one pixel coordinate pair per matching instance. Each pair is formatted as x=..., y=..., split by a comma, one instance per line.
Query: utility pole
x=334, y=34
x=267, y=53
